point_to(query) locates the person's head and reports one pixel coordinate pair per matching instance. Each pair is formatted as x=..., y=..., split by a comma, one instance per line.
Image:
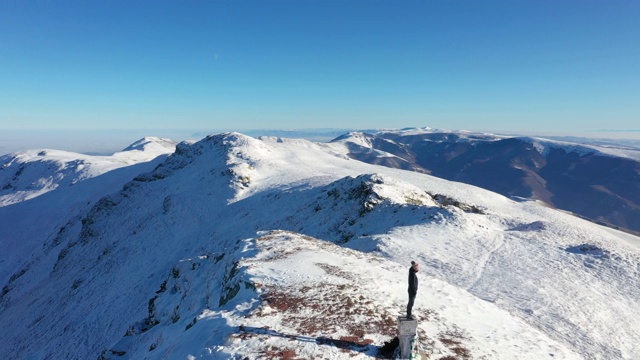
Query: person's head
x=414, y=265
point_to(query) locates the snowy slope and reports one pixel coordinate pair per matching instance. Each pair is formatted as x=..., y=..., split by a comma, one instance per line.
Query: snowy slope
x=183, y=262
x=600, y=183
x=29, y=174
x=47, y=192
x=306, y=298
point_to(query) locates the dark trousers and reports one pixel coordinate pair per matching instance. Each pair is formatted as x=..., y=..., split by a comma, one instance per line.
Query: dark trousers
x=412, y=298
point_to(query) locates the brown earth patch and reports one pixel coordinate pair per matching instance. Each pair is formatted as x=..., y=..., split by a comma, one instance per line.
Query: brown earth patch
x=453, y=340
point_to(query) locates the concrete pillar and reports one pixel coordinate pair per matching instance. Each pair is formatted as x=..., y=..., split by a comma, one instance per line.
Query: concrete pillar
x=407, y=335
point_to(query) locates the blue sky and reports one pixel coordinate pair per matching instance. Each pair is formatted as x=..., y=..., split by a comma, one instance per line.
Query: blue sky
x=511, y=66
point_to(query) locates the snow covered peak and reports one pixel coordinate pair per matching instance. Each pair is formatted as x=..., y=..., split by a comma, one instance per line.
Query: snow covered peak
x=236, y=139
x=151, y=144
x=28, y=174
x=374, y=189
x=358, y=138
x=212, y=145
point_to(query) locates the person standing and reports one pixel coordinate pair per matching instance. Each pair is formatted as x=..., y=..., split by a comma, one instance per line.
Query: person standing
x=413, y=288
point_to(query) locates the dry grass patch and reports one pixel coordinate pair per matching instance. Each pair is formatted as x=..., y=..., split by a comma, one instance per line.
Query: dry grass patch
x=453, y=340
x=273, y=353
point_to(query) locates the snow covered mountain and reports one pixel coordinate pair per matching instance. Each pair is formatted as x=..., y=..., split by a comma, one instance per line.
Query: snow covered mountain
x=28, y=174
x=599, y=182
x=236, y=247
x=50, y=190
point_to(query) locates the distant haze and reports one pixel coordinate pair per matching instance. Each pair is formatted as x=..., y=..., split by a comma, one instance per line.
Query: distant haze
x=96, y=142
x=108, y=141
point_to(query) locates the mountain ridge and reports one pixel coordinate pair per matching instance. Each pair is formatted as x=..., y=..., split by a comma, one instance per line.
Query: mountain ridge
x=211, y=200
x=599, y=183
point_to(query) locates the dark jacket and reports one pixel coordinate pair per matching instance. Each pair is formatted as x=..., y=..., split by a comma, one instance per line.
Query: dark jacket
x=413, y=281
